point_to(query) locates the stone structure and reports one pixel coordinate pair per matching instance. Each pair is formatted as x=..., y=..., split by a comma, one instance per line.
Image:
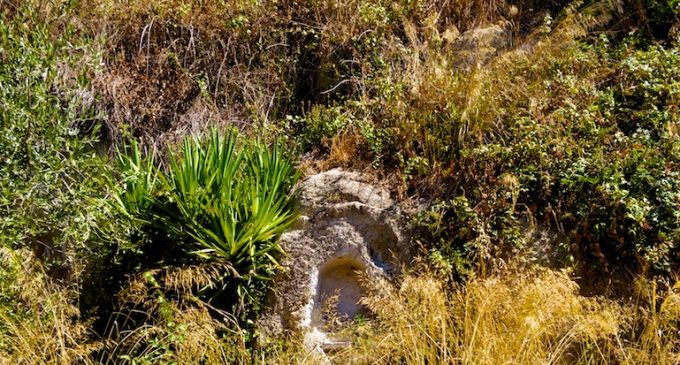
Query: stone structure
x=349, y=231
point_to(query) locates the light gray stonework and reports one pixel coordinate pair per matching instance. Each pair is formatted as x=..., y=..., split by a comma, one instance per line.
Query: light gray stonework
x=348, y=230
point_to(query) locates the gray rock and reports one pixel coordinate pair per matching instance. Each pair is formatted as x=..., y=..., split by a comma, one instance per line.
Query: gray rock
x=349, y=231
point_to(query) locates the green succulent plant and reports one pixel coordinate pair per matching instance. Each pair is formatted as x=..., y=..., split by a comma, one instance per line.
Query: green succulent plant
x=231, y=197
x=233, y=200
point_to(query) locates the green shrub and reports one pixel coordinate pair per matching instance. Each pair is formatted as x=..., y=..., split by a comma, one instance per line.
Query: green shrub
x=318, y=126
x=447, y=230
x=598, y=169
x=54, y=212
x=51, y=180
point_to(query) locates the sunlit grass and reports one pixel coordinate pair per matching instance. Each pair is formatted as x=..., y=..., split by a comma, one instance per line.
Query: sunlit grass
x=518, y=317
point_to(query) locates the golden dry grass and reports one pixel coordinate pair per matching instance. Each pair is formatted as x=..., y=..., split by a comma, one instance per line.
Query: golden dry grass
x=43, y=325
x=530, y=316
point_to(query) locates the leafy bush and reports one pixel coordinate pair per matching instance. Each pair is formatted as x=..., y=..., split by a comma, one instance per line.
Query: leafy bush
x=52, y=182
x=318, y=126
x=586, y=149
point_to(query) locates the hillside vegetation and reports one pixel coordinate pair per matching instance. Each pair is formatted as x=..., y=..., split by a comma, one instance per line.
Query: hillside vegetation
x=150, y=152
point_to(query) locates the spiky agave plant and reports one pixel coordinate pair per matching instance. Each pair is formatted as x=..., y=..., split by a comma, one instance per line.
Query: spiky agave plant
x=232, y=199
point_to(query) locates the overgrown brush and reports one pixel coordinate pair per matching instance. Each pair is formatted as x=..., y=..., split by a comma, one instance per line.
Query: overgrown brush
x=176, y=65
x=567, y=127
x=558, y=139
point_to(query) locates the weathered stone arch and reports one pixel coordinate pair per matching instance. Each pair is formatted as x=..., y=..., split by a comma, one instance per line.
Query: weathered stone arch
x=349, y=231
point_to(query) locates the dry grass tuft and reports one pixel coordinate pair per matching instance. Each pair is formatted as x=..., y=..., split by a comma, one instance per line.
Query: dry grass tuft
x=174, y=334
x=43, y=325
x=163, y=320
x=345, y=151
x=521, y=319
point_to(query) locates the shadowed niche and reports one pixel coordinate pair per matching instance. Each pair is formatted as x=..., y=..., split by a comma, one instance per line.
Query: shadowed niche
x=339, y=280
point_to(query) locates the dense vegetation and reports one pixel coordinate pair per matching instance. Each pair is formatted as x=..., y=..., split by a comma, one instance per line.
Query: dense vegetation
x=144, y=183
